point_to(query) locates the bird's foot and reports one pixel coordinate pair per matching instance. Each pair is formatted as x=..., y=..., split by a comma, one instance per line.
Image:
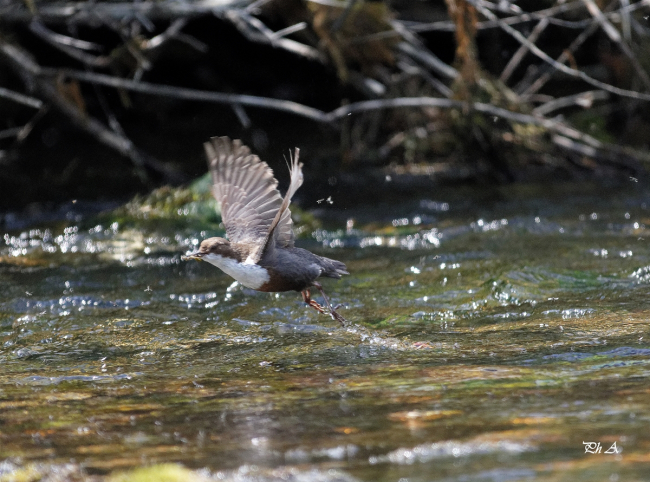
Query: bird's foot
x=336, y=316
x=321, y=309
x=314, y=304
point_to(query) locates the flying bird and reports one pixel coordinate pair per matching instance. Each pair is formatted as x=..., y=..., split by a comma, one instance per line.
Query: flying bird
x=259, y=252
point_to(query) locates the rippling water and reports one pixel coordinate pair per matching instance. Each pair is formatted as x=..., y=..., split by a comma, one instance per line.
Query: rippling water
x=493, y=335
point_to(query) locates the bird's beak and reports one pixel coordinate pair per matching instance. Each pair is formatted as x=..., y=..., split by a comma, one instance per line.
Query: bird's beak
x=196, y=256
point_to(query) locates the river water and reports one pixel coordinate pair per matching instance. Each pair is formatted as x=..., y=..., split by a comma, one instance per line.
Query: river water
x=494, y=334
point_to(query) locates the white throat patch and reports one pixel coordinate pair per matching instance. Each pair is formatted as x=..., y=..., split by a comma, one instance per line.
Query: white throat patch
x=248, y=274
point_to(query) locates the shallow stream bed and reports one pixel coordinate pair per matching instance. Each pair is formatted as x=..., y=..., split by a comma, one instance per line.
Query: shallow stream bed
x=498, y=334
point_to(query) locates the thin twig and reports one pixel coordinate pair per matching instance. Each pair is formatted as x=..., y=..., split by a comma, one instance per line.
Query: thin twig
x=564, y=56
x=242, y=116
x=189, y=94
x=571, y=145
x=31, y=73
x=67, y=47
x=625, y=20
x=123, y=145
x=583, y=99
x=82, y=12
x=561, y=67
x=427, y=58
x=26, y=130
x=448, y=26
x=610, y=153
x=515, y=19
x=11, y=132
x=406, y=65
x=330, y=3
x=254, y=8
x=174, y=29
x=316, y=114
x=115, y=126
x=255, y=30
x=370, y=87
x=21, y=98
x=615, y=37
x=36, y=26
x=523, y=50
x=290, y=30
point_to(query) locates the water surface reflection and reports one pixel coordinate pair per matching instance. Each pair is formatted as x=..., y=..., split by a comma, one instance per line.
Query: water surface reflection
x=489, y=340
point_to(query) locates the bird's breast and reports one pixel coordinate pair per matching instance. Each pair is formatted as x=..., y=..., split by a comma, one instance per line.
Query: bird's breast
x=248, y=274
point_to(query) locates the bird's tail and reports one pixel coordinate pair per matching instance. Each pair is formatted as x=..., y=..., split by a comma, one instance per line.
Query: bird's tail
x=332, y=268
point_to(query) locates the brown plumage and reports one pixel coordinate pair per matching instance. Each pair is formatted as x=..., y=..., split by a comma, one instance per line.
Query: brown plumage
x=259, y=252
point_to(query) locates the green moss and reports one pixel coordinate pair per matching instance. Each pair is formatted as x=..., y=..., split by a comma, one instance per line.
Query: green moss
x=167, y=203
x=192, y=206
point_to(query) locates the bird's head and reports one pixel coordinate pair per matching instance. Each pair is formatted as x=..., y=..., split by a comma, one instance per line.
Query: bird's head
x=214, y=246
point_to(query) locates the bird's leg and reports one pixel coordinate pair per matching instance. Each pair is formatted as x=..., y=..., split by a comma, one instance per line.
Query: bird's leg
x=333, y=313
x=306, y=296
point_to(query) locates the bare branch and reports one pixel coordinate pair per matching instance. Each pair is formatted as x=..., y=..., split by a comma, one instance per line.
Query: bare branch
x=571, y=145
x=615, y=37
x=20, y=98
x=523, y=50
x=26, y=130
x=549, y=13
x=513, y=20
x=254, y=8
x=254, y=30
x=66, y=45
x=564, y=56
x=242, y=116
x=406, y=65
x=82, y=12
x=289, y=30
x=427, y=58
x=625, y=20
x=316, y=114
x=330, y=3
x=583, y=99
x=11, y=132
x=561, y=67
x=36, y=26
x=189, y=94
x=31, y=73
x=174, y=29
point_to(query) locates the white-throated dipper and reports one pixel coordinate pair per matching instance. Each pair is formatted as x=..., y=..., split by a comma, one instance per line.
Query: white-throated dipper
x=259, y=252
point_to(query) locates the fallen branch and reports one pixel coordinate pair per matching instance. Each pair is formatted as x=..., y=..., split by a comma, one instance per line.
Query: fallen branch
x=615, y=37
x=583, y=99
x=408, y=66
x=448, y=26
x=255, y=30
x=67, y=45
x=20, y=98
x=552, y=125
x=523, y=50
x=83, y=12
x=428, y=59
x=32, y=75
x=564, y=56
x=558, y=66
x=189, y=94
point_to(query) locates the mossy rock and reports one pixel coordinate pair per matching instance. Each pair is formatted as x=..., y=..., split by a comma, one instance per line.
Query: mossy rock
x=191, y=207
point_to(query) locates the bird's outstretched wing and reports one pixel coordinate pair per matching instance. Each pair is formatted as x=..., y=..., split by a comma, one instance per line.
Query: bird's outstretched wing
x=245, y=188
